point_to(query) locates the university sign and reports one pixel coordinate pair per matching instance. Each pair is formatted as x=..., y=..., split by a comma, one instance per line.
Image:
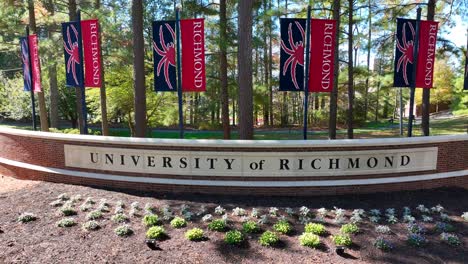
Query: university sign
x=252, y=164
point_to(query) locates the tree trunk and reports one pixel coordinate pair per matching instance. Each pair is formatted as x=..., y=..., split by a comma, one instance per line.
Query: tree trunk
x=336, y=67
x=40, y=95
x=270, y=67
x=223, y=70
x=350, y=72
x=244, y=65
x=369, y=39
x=426, y=93
x=72, y=16
x=104, y=124
x=139, y=68
x=54, y=96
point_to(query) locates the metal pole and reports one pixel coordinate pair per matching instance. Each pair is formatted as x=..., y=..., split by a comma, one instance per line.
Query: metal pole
x=33, y=103
x=306, y=73
x=413, y=75
x=84, y=127
x=401, y=112
x=179, y=76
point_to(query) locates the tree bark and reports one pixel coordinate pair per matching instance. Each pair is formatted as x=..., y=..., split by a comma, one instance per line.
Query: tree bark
x=336, y=67
x=369, y=39
x=139, y=68
x=270, y=67
x=426, y=93
x=40, y=95
x=223, y=70
x=244, y=62
x=350, y=72
x=54, y=96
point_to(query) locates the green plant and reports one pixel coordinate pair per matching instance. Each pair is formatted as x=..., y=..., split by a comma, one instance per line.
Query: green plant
x=123, y=230
x=234, y=237
x=283, y=227
x=194, y=234
x=156, y=232
x=268, y=238
x=382, y=244
x=150, y=220
x=93, y=215
x=66, y=222
x=27, y=217
x=119, y=218
x=342, y=240
x=91, y=225
x=250, y=227
x=416, y=240
x=309, y=239
x=317, y=229
x=67, y=211
x=178, y=222
x=349, y=229
x=217, y=225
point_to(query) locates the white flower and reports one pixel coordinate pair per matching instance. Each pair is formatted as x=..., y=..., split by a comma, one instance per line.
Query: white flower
x=273, y=211
x=238, y=211
x=427, y=218
x=136, y=205
x=422, y=208
x=289, y=211
x=444, y=217
x=374, y=219
x=207, y=218
x=322, y=212
x=219, y=210
x=465, y=216
x=304, y=220
x=263, y=219
x=408, y=218
x=339, y=215
x=375, y=212
x=304, y=211
x=390, y=211
x=406, y=210
x=382, y=229
x=244, y=219
x=255, y=213
x=391, y=219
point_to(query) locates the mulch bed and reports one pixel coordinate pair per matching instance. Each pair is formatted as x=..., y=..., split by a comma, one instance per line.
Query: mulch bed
x=42, y=241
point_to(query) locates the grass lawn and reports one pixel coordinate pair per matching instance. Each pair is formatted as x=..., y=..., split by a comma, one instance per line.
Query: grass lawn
x=448, y=126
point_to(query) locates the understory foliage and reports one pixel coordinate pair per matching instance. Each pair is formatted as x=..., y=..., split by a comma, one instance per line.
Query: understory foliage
x=268, y=238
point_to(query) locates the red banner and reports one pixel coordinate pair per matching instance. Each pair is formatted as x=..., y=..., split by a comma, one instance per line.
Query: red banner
x=35, y=62
x=92, y=52
x=322, y=55
x=193, y=55
x=426, y=53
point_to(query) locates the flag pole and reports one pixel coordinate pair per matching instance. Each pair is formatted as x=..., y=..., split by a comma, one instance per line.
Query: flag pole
x=179, y=77
x=84, y=127
x=401, y=112
x=33, y=104
x=306, y=73
x=413, y=74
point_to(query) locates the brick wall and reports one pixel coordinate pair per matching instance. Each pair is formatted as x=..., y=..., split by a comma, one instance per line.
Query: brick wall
x=49, y=152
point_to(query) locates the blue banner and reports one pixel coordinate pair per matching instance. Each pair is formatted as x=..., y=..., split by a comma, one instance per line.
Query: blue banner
x=72, y=47
x=465, y=86
x=26, y=63
x=405, y=36
x=164, y=56
x=292, y=54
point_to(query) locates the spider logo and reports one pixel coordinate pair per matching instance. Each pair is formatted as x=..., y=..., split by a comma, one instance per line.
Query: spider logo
x=72, y=50
x=167, y=53
x=295, y=52
x=407, y=52
x=25, y=58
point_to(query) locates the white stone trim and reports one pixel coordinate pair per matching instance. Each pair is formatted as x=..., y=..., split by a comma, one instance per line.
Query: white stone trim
x=218, y=143
x=318, y=183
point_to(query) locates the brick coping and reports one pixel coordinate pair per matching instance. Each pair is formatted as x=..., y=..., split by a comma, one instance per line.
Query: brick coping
x=235, y=143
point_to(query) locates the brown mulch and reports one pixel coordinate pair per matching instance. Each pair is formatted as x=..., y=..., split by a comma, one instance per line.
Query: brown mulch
x=42, y=241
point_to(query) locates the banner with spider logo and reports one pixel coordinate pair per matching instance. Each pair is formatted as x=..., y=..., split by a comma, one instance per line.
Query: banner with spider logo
x=465, y=86
x=164, y=56
x=292, y=54
x=405, y=36
x=26, y=64
x=72, y=47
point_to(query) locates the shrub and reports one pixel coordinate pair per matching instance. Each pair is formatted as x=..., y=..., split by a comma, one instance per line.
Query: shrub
x=283, y=227
x=123, y=230
x=217, y=225
x=66, y=222
x=309, y=239
x=382, y=229
x=67, y=211
x=56, y=203
x=444, y=227
x=178, y=222
x=342, y=240
x=27, y=217
x=91, y=225
x=156, y=232
x=234, y=237
x=415, y=228
x=119, y=218
x=416, y=240
x=349, y=229
x=268, y=238
x=250, y=227
x=93, y=215
x=382, y=244
x=150, y=220
x=194, y=234
x=63, y=197
x=317, y=229
x=450, y=239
